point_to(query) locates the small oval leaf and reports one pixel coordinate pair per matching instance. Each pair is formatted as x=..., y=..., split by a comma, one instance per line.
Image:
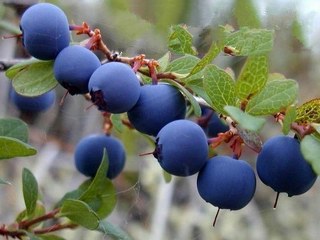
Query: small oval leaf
x=220, y=88
x=34, y=79
x=310, y=148
x=245, y=120
x=276, y=96
x=14, y=128
x=11, y=147
x=30, y=190
x=80, y=213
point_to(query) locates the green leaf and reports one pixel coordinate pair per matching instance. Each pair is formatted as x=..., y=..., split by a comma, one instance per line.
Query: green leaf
x=245, y=120
x=253, y=77
x=4, y=182
x=180, y=40
x=167, y=176
x=30, y=190
x=197, y=88
x=289, y=118
x=248, y=42
x=31, y=236
x=276, y=96
x=195, y=105
x=117, y=122
x=10, y=27
x=113, y=231
x=298, y=31
x=246, y=14
x=51, y=237
x=164, y=62
x=309, y=112
x=100, y=194
x=316, y=126
x=183, y=65
x=207, y=59
x=32, y=78
x=80, y=213
x=14, y=70
x=11, y=147
x=14, y=128
x=310, y=148
x=220, y=88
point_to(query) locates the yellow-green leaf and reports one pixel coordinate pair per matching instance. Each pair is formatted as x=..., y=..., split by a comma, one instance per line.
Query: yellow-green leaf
x=32, y=78
x=248, y=42
x=253, y=76
x=180, y=40
x=220, y=88
x=275, y=97
x=12, y=147
x=309, y=112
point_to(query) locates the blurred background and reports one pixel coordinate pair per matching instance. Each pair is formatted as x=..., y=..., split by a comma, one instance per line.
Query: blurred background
x=149, y=208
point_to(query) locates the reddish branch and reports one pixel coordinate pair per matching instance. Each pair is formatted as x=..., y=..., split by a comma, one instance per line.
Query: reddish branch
x=24, y=226
x=28, y=223
x=95, y=42
x=301, y=129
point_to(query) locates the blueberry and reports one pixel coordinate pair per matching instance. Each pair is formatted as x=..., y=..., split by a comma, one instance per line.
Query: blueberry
x=89, y=153
x=226, y=183
x=181, y=148
x=33, y=104
x=45, y=30
x=216, y=126
x=73, y=68
x=114, y=87
x=281, y=166
x=158, y=105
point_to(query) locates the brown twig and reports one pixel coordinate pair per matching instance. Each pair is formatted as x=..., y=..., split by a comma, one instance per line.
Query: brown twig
x=27, y=224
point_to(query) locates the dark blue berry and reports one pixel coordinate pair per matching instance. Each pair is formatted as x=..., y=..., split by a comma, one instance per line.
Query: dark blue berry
x=114, y=87
x=281, y=166
x=89, y=153
x=73, y=68
x=45, y=30
x=158, y=105
x=33, y=104
x=216, y=126
x=226, y=183
x=181, y=148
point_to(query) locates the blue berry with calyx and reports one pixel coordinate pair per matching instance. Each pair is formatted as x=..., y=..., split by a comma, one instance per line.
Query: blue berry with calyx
x=35, y=104
x=89, y=152
x=73, y=68
x=45, y=30
x=181, y=148
x=226, y=183
x=281, y=166
x=157, y=106
x=114, y=87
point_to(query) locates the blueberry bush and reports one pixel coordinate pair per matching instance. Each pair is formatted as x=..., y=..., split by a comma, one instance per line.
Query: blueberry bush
x=198, y=117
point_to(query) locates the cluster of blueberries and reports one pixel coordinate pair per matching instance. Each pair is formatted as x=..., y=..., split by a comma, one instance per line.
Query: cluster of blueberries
x=158, y=110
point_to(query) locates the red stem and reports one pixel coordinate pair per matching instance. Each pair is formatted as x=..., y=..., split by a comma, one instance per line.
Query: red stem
x=27, y=224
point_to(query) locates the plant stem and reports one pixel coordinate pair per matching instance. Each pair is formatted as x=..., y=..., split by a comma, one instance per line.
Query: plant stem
x=27, y=224
x=55, y=227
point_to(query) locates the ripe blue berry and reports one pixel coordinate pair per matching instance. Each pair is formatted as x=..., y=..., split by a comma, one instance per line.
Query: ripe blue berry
x=73, y=68
x=158, y=105
x=281, y=166
x=114, y=87
x=216, y=126
x=45, y=30
x=89, y=153
x=226, y=183
x=181, y=148
x=33, y=104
